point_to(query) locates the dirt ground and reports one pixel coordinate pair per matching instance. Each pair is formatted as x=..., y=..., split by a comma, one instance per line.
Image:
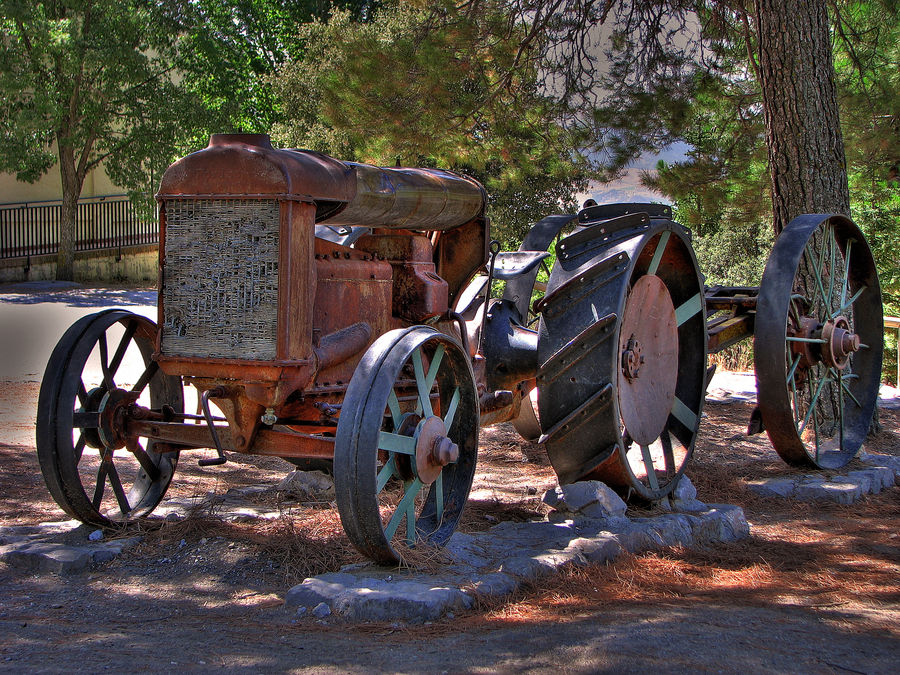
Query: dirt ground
x=814, y=589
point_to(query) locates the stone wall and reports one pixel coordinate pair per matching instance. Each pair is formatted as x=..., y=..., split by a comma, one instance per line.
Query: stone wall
x=131, y=264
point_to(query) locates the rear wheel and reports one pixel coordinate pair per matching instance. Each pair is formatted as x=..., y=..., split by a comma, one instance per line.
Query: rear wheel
x=623, y=351
x=818, y=341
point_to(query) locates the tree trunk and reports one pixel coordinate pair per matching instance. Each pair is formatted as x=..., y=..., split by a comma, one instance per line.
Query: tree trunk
x=71, y=191
x=807, y=167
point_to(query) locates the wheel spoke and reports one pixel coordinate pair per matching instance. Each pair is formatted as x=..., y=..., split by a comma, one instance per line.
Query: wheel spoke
x=841, y=409
x=116, y=483
x=688, y=309
x=405, y=445
x=145, y=377
x=411, y=523
x=424, y=382
x=684, y=414
x=104, y=363
x=439, y=497
x=658, y=253
x=790, y=375
x=846, y=281
x=847, y=305
x=144, y=460
x=845, y=387
x=816, y=275
x=648, y=465
x=82, y=393
x=78, y=450
x=101, y=483
x=394, y=406
x=832, y=247
x=812, y=403
x=121, y=349
x=668, y=453
x=386, y=473
x=409, y=498
x=451, y=409
x=86, y=420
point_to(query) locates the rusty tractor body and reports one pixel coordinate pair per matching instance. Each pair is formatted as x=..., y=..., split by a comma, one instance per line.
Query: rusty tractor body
x=340, y=315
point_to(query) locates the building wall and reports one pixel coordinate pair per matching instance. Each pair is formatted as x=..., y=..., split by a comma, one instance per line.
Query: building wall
x=136, y=264
x=49, y=187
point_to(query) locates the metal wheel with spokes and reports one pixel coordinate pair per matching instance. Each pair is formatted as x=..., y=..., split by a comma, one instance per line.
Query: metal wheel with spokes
x=818, y=341
x=406, y=443
x=100, y=368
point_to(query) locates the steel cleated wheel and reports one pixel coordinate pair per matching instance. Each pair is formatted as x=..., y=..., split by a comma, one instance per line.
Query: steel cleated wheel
x=406, y=443
x=99, y=370
x=622, y=347
x=818, y=341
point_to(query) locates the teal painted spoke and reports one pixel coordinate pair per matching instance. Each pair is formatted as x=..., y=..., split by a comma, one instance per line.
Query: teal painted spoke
x=409, y=497
x=796, y=405
x=411, y=524
x=790, y=375
x=439, y=497
x=424, y=382
x=847, y=305
x=405, y=445
x=812, y=403
x=818, y=277
x=832, y=246
x=451, y=410
x=387, y=471
x=658, y=253
x=846, y=271
x=394, y=406
x=648, y=465
x=684, y=414
x=812, y=340
x=846, y=388
x=793, y=307
x=841, y=406
x=688, y=309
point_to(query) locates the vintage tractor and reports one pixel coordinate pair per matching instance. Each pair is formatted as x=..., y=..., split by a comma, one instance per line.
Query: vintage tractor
x=340, y=315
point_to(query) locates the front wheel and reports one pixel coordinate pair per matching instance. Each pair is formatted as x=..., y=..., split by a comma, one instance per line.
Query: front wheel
x=102, y=366
x=406, y=443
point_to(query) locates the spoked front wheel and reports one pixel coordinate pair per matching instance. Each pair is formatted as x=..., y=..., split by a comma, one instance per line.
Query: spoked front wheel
x=406, y=443
x=818, y=341
x=99, y=369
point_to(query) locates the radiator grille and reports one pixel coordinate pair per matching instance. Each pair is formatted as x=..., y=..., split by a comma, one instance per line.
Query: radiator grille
x=220, y=280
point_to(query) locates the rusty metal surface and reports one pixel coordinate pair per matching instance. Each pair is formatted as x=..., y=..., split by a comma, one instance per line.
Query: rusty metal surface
x=247, y=166
x=648, y=342
x=407, y=198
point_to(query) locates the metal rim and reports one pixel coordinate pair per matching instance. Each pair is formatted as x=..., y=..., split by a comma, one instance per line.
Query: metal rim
x=92, y=471
x=818, y=341
x=585, y=432
x=409, y=383
x=651, y=470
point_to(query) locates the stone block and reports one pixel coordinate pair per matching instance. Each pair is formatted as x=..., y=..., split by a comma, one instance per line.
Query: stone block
x=773, y=487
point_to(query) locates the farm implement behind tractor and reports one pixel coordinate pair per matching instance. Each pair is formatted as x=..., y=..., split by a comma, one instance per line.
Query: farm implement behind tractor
x=340, y=316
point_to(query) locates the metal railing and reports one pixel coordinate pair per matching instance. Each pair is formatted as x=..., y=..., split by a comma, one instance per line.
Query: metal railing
x=894, y=322
x=32, y=228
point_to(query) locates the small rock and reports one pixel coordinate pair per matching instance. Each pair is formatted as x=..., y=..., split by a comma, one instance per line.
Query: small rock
x=321, y=610
x=531, y=490
x=301, y=611
x=315, y=485
x=96, y=535
x=182, y=543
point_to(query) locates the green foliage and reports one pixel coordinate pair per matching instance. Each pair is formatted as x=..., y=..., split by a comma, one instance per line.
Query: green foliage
x=441, y=87
x=93, y=77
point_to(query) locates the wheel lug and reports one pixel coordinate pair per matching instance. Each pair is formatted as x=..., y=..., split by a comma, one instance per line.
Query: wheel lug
x=444, y=451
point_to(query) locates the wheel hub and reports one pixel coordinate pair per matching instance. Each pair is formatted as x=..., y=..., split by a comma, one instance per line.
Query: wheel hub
x=648, y=369
x=112, y=417
x=434, y=450
x=840, y=343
